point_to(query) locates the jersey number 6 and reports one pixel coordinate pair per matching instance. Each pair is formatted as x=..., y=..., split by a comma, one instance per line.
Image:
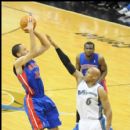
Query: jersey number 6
x=88, y=101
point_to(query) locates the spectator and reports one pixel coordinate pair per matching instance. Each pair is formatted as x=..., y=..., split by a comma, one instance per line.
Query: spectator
x=125, y=10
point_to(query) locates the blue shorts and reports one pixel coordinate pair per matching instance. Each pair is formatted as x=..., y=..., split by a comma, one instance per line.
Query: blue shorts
x=42, y=112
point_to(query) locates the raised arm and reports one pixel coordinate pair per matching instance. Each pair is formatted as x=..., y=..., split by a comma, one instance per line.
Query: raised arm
x=66, y=62
x=45, y=44
x=24, y=59
x=106, y=106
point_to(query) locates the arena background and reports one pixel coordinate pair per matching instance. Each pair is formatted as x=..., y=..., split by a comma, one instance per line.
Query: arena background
x=70, y=31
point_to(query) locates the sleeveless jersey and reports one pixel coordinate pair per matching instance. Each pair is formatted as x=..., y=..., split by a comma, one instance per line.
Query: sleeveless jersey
x=86, y=64
x=31, y=80
x=88, y=104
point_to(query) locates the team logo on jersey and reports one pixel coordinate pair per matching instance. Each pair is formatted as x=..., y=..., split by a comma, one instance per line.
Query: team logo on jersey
x=37, y=75
x=32, y=66
x=84, y=92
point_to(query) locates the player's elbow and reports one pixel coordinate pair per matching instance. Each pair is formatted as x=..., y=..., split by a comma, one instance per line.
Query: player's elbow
x=47, y=46
x=44, y=48
x=32, y=54
x=105, y=72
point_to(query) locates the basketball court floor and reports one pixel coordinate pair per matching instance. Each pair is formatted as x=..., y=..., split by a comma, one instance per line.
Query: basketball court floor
x=70, y=31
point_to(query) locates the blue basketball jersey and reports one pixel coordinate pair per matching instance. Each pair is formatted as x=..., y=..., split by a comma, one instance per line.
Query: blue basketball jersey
x=31, y=80
x=86, y=64
x=40, y=109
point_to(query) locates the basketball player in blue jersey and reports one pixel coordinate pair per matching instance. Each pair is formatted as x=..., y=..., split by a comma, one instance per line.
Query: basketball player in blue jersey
x=40, y=109
x=91, y=96
x=89, y=59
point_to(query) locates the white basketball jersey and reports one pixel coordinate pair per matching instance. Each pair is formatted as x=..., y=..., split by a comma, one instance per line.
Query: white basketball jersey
x=88, y=104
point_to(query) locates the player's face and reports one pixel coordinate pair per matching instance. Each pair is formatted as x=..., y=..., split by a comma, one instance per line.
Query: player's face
x=92, y=74
x=89, y=75
x=89, y=50
x=23, y=50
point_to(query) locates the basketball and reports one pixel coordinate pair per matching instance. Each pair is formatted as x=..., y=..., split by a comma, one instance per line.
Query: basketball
x=24, y=22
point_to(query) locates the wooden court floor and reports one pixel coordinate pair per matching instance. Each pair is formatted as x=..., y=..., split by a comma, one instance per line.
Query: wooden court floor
x=70, y=31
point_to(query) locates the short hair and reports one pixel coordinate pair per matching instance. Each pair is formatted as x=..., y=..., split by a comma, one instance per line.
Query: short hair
x=15, y=49
x=89, y=43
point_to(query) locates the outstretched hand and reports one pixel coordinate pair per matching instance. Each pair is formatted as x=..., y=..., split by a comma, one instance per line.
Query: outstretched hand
x=51, y=42
x=29, y=26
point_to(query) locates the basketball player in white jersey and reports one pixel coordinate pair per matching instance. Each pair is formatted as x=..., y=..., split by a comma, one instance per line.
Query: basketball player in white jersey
x=91, y=97
x=88, y=59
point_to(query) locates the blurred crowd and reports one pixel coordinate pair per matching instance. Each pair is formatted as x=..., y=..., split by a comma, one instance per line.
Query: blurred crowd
x=121, y=8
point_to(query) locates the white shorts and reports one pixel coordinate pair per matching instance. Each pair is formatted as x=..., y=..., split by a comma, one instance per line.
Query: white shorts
x=88, y=124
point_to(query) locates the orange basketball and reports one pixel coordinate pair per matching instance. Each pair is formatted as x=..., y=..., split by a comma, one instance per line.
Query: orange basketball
x=24, y=22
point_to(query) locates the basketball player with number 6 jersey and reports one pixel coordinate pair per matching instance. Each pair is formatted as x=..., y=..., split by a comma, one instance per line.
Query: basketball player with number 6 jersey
x=88, y=59
x=91, y=97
